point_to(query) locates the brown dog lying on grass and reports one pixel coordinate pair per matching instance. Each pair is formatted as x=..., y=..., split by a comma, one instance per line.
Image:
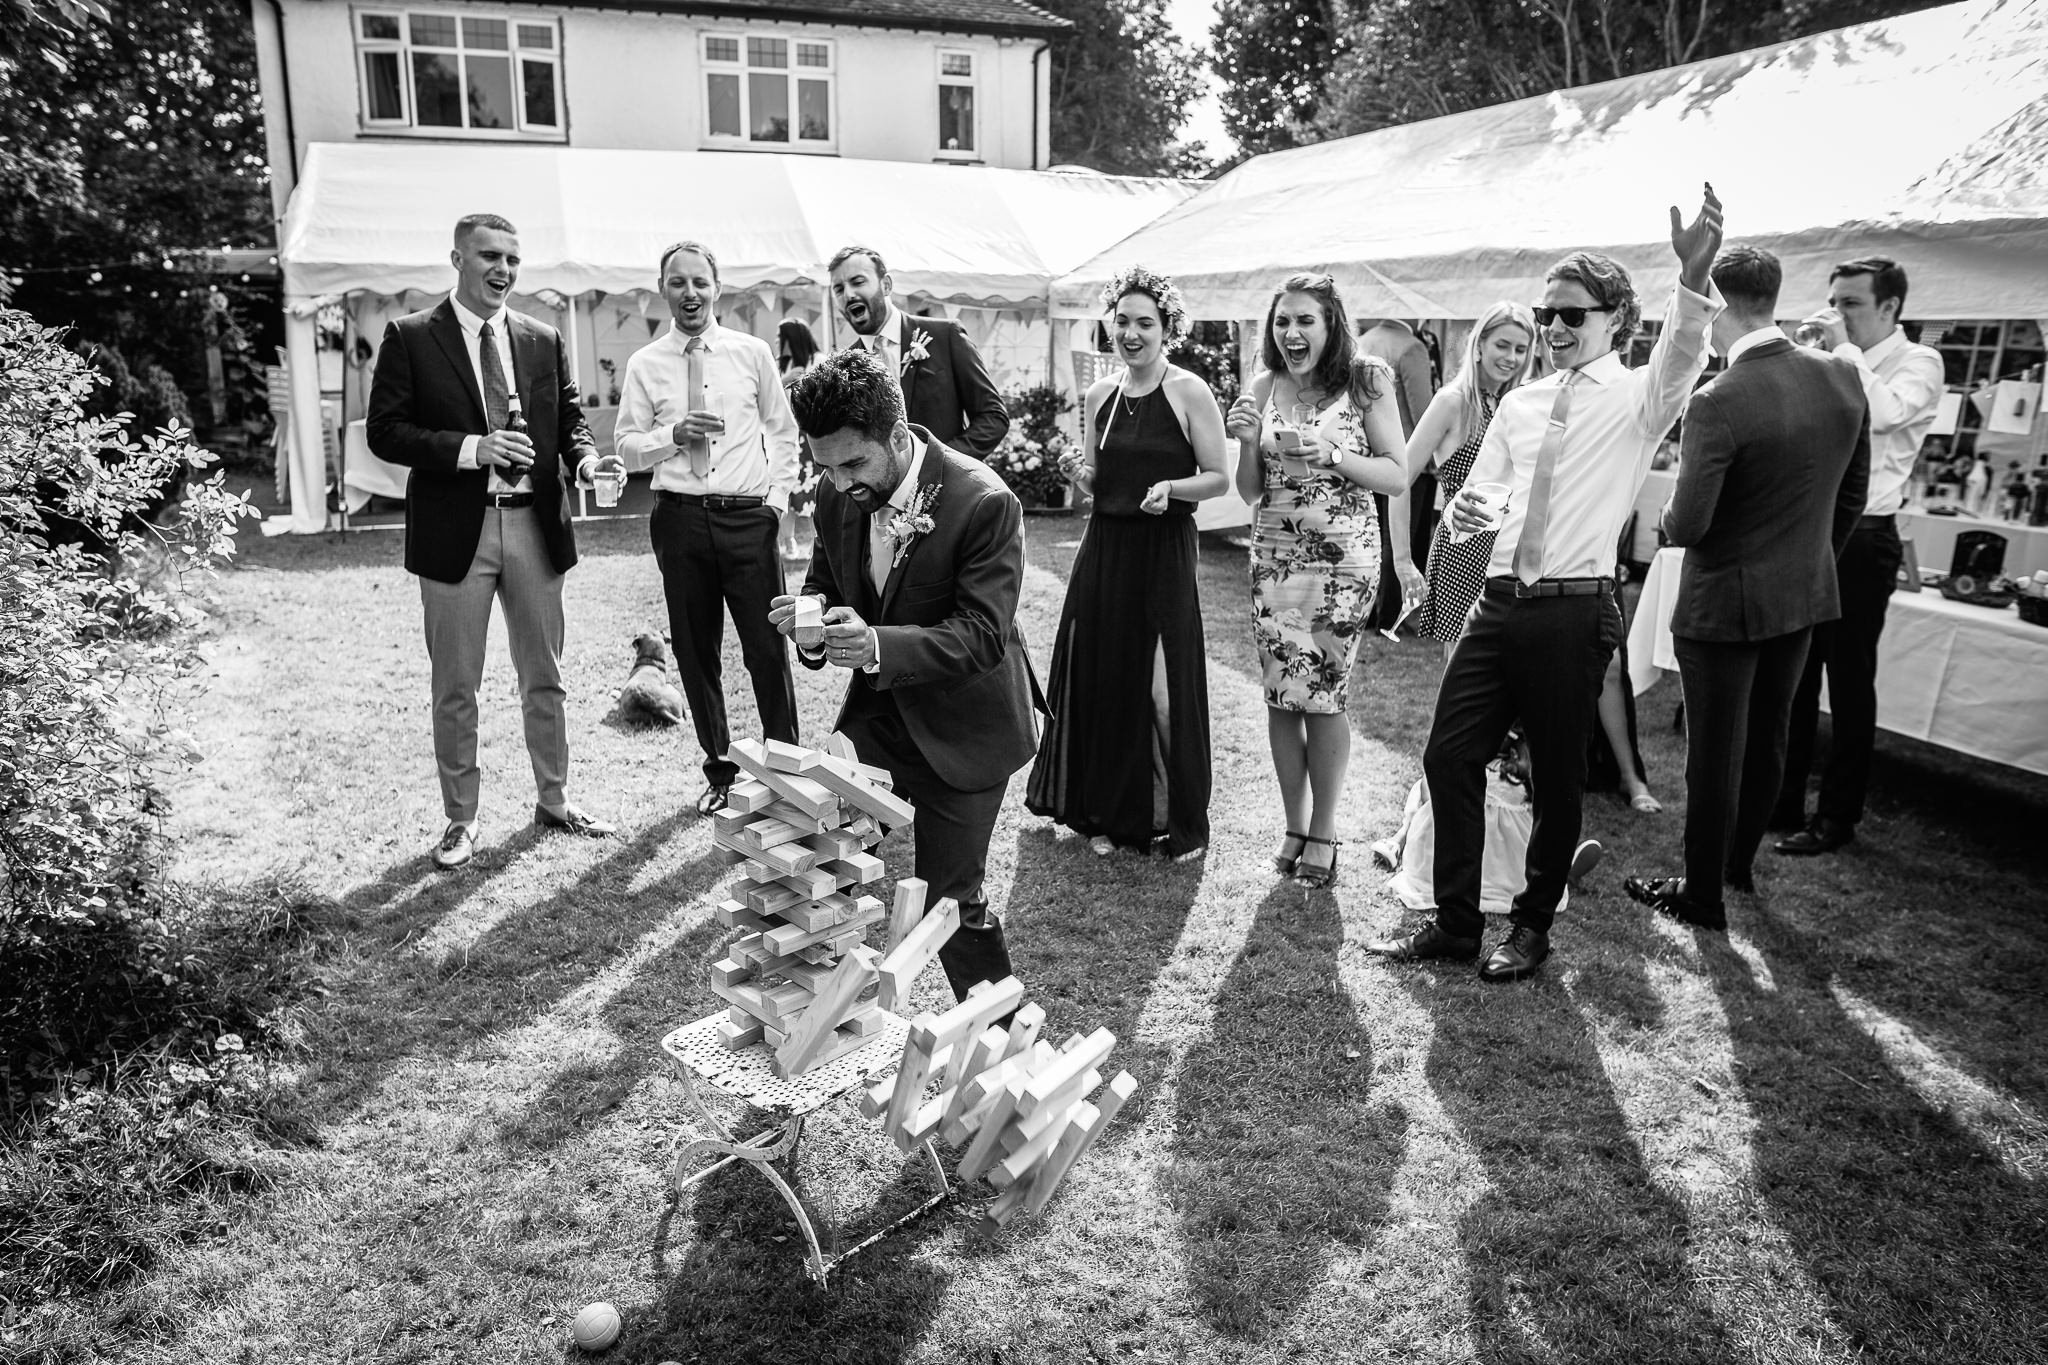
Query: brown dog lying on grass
x=648, y=694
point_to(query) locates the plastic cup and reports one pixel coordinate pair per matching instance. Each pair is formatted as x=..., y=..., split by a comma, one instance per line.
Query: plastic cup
x=808, y=629
x=1811, y=334
x=609, y=485
x=1493, y=503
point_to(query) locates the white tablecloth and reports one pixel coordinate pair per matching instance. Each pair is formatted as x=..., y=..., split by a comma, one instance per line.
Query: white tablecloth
x=1934, y=542
x=1967, y=678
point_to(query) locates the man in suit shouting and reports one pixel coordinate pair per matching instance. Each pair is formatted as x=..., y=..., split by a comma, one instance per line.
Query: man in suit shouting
x=486, y=511
x=1774, y=466
x=946, y=388
x=918, y=562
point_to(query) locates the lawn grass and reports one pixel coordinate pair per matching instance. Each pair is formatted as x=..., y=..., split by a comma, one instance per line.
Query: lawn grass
x=1820, y=1138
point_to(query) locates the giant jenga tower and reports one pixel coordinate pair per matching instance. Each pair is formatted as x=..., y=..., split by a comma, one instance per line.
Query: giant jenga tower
x=799, y=978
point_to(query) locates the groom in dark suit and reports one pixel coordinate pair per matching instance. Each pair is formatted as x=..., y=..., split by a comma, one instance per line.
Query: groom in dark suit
x=946, y=388
x=918, y=562
x=1775, y=460
x=486, y=511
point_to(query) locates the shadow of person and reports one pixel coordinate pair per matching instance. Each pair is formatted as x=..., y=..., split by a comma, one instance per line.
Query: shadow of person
x=1281, y=1153
x=740, y=1293
x=1922, y=1243
x=1574, y=1251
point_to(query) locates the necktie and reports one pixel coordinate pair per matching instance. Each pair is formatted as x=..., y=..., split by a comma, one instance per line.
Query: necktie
x=497, y=400
x=881, y=550
x=1529, y=549
x=699, y=447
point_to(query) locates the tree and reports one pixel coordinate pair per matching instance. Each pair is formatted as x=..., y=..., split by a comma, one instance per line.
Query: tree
x=1121, y=85
x=1274, y=57
x=1404, y=60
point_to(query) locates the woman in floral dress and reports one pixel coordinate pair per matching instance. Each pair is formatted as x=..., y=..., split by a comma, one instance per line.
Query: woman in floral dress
x=1318, y=435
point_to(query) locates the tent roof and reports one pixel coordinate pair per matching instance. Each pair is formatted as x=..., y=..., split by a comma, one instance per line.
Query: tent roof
x=377, y=217
x=1924, y=137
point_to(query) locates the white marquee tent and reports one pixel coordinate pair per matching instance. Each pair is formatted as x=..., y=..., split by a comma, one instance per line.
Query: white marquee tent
x=375, y=218
x=1924, y=137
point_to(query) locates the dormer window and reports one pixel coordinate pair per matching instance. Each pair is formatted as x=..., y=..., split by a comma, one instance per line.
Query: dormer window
x=463, y=74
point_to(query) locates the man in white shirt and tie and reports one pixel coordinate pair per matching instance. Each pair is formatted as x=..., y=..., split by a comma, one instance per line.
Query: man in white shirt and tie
x=1573, y=449
x=945, y=386
x=704, y=407
x=1903, y=382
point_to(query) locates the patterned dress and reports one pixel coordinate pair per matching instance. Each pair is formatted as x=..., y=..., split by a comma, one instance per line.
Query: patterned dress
x=1315, y=567
x=1456, y=572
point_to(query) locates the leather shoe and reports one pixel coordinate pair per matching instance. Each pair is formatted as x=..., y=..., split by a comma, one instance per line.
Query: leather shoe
x=457, y=846
x=1424, y=945
x=1822, y=836
x=574, y=820
x=1519, y=954
x=1584, y=860
x=1667, y=896
x=716, y=798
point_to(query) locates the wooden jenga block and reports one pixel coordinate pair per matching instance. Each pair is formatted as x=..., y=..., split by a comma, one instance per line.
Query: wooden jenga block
x=725, y=854
x=1054, y=1111
x=789, y=758
x=814, y=883
x=1024, y=1027
x=1030, y=1151
x=981, y=1094
x=910, y=957
x=802, y=792
x=911, y=1072
x=728, y=823
x=860, y=869
x=869, y=1018
x=769, y=897
x=1073, y=1063
x=773, y=1037
x=747, y=797
x=836, y=1045
x=746, y=997
x=791, y=859
x=907, y=910
x=874, y=1101
x=833, y=1002
x=810, y=975
x=834, y=843
x=803, y=820
x=976, y=1012
x=734, y=915
x=865, y=829
x=985, y=1050
x=788, y=938
x=809, y=915
x=763, y=833
x=982, y=1150
x=733, y=1036
x=839, y=746
x=843, y=780
x=1080, y=1134
x=1005, y=1205
x=727, y=971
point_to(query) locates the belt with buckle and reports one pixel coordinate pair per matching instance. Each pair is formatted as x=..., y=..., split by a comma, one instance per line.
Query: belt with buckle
x=509, y=500
x=715, y=502
x=1550, y=587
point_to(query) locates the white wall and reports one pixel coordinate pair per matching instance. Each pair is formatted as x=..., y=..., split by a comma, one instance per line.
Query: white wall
x=634, y=81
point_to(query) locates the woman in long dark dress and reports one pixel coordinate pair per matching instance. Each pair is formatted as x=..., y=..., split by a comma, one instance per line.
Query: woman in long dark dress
x=1125, y=760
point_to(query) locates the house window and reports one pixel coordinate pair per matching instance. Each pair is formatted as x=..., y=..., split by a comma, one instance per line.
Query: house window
x=768, y=90
x=481, y=74
x=957, y=128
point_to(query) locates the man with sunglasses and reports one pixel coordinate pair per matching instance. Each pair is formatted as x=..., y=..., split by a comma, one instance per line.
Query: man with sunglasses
x=1572, y=449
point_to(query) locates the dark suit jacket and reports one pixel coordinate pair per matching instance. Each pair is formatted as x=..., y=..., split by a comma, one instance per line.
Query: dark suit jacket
x=424, y=400
x=953, y=659
x=1774, y=464
x=949, y=392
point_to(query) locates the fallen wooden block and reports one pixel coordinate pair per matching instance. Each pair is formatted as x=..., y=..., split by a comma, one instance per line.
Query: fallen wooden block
x=911, y=1072
x=1080, y=1135
x=982, y=1150
x=1054, y=1111
x=1073, y=1063
x=1025, y=1156
x=980, y=1095
x=789, y=758
x=874, y=1101
x=976, y=1012
x=1023, y=1033
x=985, y=1050
x=828, y=1008
x=910, y=957
x=907, y=910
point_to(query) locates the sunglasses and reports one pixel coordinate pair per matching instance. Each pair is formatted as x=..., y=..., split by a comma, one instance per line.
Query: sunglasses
x=1573, y=317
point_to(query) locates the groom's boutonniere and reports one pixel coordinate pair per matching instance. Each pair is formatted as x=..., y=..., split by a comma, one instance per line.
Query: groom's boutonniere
x=912, y=522
x=920, y=348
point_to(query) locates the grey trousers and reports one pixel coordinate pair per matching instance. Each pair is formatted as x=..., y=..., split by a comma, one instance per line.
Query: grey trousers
x=512, y=566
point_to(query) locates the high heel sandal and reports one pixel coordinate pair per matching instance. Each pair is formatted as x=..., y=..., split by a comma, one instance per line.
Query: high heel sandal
x=1283, y=864
x=1316, y=878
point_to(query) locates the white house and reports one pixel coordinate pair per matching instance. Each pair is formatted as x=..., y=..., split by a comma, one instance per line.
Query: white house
x=963, y=81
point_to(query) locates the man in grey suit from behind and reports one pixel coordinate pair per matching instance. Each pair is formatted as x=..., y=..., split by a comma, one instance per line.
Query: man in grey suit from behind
x=1775, y=461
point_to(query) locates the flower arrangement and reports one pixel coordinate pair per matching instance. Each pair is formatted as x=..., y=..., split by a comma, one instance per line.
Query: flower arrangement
x=912, y=522
x=1028, y=458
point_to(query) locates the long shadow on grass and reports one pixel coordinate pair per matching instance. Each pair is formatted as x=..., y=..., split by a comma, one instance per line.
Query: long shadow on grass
x=398, y=1002
x=1575, y=1252
x=1281, y=1152
x=1923, y=1245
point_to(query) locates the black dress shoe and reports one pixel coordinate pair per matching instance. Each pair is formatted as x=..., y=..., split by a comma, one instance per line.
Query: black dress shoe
x=1667, y=896
x=1424, y=945
x=1822, y=836
x=1519, y=954
x=574, y=820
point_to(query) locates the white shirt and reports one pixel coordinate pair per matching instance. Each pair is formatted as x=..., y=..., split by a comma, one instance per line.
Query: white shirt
x=472, y=342
x=881, y=550
x=1749, y=341
x=755, y=456
x=1618, y=418
x=890, y=334
x=1903, y=382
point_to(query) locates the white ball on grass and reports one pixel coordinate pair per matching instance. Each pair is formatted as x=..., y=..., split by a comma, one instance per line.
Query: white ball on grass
x=596, y=1327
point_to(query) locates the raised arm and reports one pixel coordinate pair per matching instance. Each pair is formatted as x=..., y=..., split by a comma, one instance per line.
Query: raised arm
x=1680, y=356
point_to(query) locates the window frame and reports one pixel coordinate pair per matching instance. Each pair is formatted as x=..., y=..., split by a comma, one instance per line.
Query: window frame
x=793, y=74
x=516, y=54
x=970, y=82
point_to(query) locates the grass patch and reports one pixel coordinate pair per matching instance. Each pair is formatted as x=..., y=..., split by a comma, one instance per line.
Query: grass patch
x=1819, y=1138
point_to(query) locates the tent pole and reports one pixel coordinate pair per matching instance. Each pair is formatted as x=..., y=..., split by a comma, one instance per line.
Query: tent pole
x=308, y=477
